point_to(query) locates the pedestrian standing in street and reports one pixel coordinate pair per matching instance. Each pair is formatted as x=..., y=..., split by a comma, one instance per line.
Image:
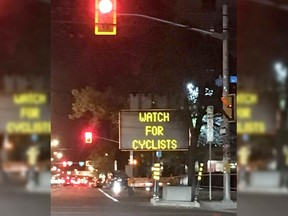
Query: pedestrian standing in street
x=243, y=158
x=32, y=156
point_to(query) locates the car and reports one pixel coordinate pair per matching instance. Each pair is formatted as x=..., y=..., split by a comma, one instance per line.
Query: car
x=67, y=181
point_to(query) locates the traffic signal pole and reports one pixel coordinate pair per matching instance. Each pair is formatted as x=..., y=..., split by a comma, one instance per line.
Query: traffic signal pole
x=225, y=92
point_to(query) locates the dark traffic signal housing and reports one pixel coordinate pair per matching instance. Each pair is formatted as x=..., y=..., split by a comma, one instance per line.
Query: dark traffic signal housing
x=105, y=17
x=229, y=106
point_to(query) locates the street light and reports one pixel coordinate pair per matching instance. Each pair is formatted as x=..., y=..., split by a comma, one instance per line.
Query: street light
x=281, y=72
x=193, y=92
x=59, y=155
x=54, y=143
x=281, y=78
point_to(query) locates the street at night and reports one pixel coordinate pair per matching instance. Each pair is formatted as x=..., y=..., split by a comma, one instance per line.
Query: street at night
x=101, y=202
x=139, y=108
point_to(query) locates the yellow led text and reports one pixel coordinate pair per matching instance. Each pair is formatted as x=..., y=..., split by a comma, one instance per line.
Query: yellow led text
x=251, y=127
x=154, y=117
x=30, y=98
x=247, y=99
x=30, y=112
x=169, y=144
x=244, y=113
x=154, y=130
x=28, y=127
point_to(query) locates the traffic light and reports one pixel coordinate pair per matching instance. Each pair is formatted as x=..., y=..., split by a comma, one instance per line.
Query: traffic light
x=229, y=107
x=64, y=163
x=88, y=137
x=156, y=171
x=200, y=172
x=105, y=17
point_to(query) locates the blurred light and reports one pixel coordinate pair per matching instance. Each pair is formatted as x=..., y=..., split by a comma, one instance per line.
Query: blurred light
x=208, y=92
x=8, y=146
x=59, y=155
x=116, y=187
x=190, y=86
x=233, y=79
x=281, y=72
x=88, y=137
x=64, y=163
x=56, y=181
x=54, y=143
x=105, y=6
x=193, y=92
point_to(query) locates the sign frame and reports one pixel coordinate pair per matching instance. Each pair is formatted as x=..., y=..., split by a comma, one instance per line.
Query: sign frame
x=175, y=129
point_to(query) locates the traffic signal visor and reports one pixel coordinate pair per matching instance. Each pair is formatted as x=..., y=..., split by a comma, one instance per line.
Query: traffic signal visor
x=105, y=17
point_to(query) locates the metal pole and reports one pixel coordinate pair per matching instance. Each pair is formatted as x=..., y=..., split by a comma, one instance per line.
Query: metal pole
x=210, y=137
x=131, y=163
x=156, y=182
x=210, y=174
x=226, y=146
x=115, y=165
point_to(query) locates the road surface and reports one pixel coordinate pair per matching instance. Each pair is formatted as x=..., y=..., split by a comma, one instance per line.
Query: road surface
x=84, y=201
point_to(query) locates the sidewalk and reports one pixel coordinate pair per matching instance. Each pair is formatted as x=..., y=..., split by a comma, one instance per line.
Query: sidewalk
x=263, y=190
x=216, y=204
x=10, y=185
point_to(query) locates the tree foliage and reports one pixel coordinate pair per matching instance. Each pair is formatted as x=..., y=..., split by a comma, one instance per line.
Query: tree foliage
x=103, y=156
x=100, y=109
x=96, y=106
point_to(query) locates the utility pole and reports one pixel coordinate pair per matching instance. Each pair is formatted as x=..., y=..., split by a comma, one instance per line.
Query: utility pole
x=210, y=114
x=225, y=92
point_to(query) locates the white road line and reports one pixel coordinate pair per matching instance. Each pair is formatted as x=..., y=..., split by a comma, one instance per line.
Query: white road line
x=107, y=195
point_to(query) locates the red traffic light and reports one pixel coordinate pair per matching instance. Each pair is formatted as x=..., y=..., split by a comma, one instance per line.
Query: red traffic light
x=105, y=6
x=105, y=17
x=88, y=137
x=64, y=163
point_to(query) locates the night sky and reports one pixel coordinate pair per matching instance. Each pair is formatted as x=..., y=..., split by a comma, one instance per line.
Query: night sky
x=145, y=56
x=142, y=50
